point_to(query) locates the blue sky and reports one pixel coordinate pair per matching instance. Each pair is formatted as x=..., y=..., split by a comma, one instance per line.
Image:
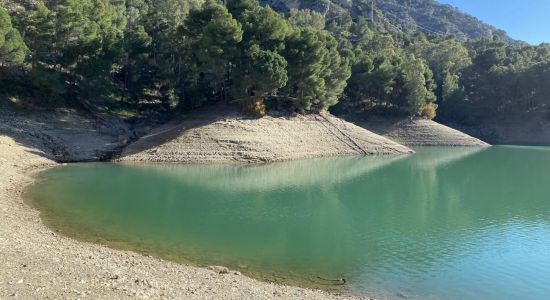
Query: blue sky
x=526, y=20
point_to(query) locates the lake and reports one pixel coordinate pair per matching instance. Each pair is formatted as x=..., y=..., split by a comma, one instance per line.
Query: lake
x=446, y=223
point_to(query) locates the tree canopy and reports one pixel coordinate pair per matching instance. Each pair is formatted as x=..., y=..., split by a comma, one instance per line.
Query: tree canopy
x=12, y=47
x=174, y=55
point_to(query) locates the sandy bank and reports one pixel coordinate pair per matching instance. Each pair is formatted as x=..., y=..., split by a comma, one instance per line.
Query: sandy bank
x=39, y=263
x=227, y=136
x=420, y=132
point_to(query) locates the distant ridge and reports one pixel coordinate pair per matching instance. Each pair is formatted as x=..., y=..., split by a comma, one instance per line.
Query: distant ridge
x=406, y=16
x=401, y=16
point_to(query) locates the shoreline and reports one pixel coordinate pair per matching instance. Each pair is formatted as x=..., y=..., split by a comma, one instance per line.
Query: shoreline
x=43, y=263
x=92, y=239
x=224, y=135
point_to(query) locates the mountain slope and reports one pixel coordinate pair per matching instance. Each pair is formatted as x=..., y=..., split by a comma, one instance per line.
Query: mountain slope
x=408, y=16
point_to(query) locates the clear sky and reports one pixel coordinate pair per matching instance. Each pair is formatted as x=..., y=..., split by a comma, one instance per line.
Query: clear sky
x=526, y=20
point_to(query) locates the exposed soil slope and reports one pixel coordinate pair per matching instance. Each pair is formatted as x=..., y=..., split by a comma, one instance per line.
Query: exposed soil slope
x=420, y=132
x=65, y=135
x=222, y=136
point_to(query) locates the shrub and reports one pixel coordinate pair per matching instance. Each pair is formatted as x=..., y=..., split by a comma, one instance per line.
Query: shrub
x=430, y=111
x=254, y=106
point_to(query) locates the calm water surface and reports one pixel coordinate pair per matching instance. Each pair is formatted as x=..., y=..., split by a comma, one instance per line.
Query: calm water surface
x=442, y=224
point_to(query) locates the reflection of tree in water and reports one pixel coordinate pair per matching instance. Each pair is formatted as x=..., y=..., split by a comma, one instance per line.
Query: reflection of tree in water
x=298, y=174
x=440, y=213
x=362, y=219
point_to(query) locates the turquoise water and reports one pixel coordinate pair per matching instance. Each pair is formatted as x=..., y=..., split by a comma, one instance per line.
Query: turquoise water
x=447, y=223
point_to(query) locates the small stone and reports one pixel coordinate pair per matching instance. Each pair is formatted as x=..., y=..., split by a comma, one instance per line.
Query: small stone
x=219, y=269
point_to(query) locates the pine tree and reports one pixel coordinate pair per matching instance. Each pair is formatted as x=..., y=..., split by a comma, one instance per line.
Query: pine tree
x=418, y=85
x=12, y=47
x=214, y=37
x=317, y=73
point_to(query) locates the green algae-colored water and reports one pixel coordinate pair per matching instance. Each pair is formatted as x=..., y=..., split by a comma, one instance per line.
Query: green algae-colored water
x=447, y=223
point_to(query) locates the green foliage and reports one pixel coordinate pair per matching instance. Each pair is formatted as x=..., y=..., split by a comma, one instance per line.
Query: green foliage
x=317, y=72
x=508, y=81
x=12, y=54
x=239, y=7
x=46, y=85
x=447, y=59
x=304, y=65
x=79, y=40
x=214, y=37
x=302, y=18
x=39, y=32
x=403, y=17
x=388, y=79
x=168, y=55
x=373, y=82
x=265, y=27
x=259, y=69
x=417, y=85
x=265, y=71
x=12, y=47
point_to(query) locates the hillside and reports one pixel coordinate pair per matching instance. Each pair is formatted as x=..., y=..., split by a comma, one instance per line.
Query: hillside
x=406, y=16
x=226, y=135
x=166, y=58
x=419, y=132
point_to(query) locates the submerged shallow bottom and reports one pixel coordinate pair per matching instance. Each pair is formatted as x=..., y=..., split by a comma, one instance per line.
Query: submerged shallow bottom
x=448, y=223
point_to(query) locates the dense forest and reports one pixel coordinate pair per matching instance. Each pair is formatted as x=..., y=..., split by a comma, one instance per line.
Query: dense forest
x=168, y=56
x=404, y=16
